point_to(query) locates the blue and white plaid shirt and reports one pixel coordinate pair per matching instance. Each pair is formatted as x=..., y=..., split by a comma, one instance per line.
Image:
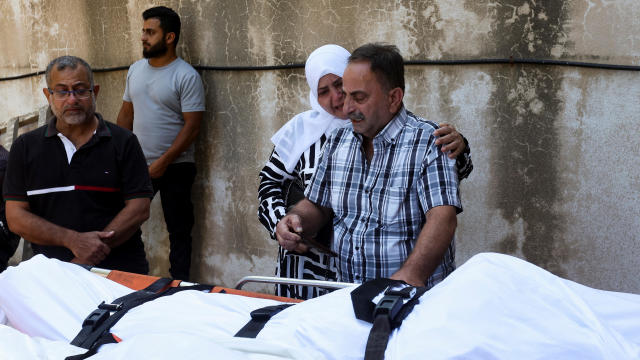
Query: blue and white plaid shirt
x=380, y=207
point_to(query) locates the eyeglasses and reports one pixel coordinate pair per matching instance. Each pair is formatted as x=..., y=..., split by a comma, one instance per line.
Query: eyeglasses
x=63, y=94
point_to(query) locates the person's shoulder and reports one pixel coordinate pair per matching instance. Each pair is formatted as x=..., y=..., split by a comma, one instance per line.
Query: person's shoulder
x=300, y=119
x=297, y=120
x=341, y=136
x=118, y=131
x=33, y=135
x=33, y=140
x=121, y=138
x=138, y=65
x=418, y=122
x=185, y=68
x=343, y=131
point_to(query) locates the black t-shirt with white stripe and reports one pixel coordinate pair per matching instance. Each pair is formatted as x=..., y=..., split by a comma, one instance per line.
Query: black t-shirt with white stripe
x=85, y=194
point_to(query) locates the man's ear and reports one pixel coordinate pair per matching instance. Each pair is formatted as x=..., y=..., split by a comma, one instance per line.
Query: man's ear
x=96, y=90
x=170, y=37
x=46, y=93
x=395, y=100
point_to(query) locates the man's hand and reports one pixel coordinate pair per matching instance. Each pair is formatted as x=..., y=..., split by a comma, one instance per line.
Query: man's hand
x=89, y=247
x=450, y=139
x=289, y=233
x=157, y=169
x=186, y=136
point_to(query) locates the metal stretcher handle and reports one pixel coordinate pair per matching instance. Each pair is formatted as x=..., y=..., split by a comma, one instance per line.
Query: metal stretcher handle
x=257, y=279
x=289, y=281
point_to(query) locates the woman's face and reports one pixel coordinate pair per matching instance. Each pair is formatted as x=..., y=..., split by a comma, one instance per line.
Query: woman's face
x=330, y=95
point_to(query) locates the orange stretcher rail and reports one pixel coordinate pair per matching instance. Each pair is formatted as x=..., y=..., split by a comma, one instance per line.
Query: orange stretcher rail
x=138, y=282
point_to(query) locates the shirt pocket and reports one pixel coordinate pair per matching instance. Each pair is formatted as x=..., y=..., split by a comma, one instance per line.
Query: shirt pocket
x=393, y=202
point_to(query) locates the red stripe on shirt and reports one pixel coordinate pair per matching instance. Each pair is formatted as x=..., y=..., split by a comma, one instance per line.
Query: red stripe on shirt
x=96, y=188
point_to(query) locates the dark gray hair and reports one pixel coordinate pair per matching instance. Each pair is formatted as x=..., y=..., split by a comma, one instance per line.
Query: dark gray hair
x=385, y=61
x=67, y=61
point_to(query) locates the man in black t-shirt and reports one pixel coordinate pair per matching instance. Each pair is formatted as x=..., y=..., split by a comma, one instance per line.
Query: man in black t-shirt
x=78, y=188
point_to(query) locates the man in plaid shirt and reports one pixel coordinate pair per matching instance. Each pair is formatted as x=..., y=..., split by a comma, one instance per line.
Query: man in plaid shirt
x=391, y=193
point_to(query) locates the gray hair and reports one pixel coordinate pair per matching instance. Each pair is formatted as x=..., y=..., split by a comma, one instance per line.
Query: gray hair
x=67, y=61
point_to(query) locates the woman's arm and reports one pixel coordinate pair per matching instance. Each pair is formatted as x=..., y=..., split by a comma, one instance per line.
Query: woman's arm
x=463, y=161
x=271, y=205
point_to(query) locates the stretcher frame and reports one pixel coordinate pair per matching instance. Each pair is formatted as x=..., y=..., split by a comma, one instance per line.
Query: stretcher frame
x=330, y=285
x=138, y=282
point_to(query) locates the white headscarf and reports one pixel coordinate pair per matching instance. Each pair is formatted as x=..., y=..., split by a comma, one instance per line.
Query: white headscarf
x=304, y=129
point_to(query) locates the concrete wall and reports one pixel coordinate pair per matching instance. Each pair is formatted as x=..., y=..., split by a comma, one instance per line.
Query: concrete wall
x=556, y=179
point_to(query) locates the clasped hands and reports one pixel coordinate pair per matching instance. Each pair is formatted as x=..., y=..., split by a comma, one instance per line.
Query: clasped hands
x=89, y=248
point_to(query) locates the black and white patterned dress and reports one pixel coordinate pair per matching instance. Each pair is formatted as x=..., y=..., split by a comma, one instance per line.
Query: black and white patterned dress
x=271, y=194
x=272, y=208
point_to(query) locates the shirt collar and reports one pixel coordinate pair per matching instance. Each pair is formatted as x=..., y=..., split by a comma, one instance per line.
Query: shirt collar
x=102, y=130
x=390, y=132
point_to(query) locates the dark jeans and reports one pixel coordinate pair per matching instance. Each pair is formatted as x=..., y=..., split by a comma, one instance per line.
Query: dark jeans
x=175, y=194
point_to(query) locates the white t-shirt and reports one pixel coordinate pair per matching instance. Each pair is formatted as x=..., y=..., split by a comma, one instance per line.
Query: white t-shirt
x=160, y=95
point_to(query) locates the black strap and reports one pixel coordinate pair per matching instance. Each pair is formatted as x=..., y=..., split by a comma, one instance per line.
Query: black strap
x=89, y=334
x=378, y=338
x=395, y=305
x=158, y=285
x=95, y=328
x=259, y=319
x=104, y=339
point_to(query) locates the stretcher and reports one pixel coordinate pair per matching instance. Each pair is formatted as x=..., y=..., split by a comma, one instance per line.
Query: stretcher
x=138, y=282
x=492, y=307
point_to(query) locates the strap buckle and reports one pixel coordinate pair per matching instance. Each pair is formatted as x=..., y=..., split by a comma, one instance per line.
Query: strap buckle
x=406, y=292
x=393, y=300
x=110, y=307
x=99, y=315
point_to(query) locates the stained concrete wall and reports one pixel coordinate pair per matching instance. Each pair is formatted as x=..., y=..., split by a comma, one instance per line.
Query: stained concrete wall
x=556, y=180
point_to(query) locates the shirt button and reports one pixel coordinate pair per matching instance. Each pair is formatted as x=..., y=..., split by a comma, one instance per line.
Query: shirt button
x=357, y=277
x=357, y=248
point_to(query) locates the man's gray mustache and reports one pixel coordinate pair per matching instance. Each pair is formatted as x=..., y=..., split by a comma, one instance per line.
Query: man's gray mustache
x=356, y=116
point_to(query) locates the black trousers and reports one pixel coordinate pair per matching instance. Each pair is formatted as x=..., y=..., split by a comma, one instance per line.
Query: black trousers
x=8, y=243
x=175, y=193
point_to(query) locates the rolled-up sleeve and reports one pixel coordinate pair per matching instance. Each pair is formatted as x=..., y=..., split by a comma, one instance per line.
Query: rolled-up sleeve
x=439, y=181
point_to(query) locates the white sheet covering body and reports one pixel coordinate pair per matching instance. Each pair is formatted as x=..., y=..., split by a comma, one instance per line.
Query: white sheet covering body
x=493, y=307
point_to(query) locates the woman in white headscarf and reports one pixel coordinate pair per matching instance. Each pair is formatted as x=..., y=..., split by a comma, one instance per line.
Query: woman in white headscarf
x=297, y=148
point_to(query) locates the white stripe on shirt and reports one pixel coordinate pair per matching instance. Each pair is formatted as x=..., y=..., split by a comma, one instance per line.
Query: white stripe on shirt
x=51, y=190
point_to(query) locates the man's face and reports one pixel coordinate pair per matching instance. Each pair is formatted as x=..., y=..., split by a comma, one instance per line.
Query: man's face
x=153, y=39
x=71, y=109
x=367, y=102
